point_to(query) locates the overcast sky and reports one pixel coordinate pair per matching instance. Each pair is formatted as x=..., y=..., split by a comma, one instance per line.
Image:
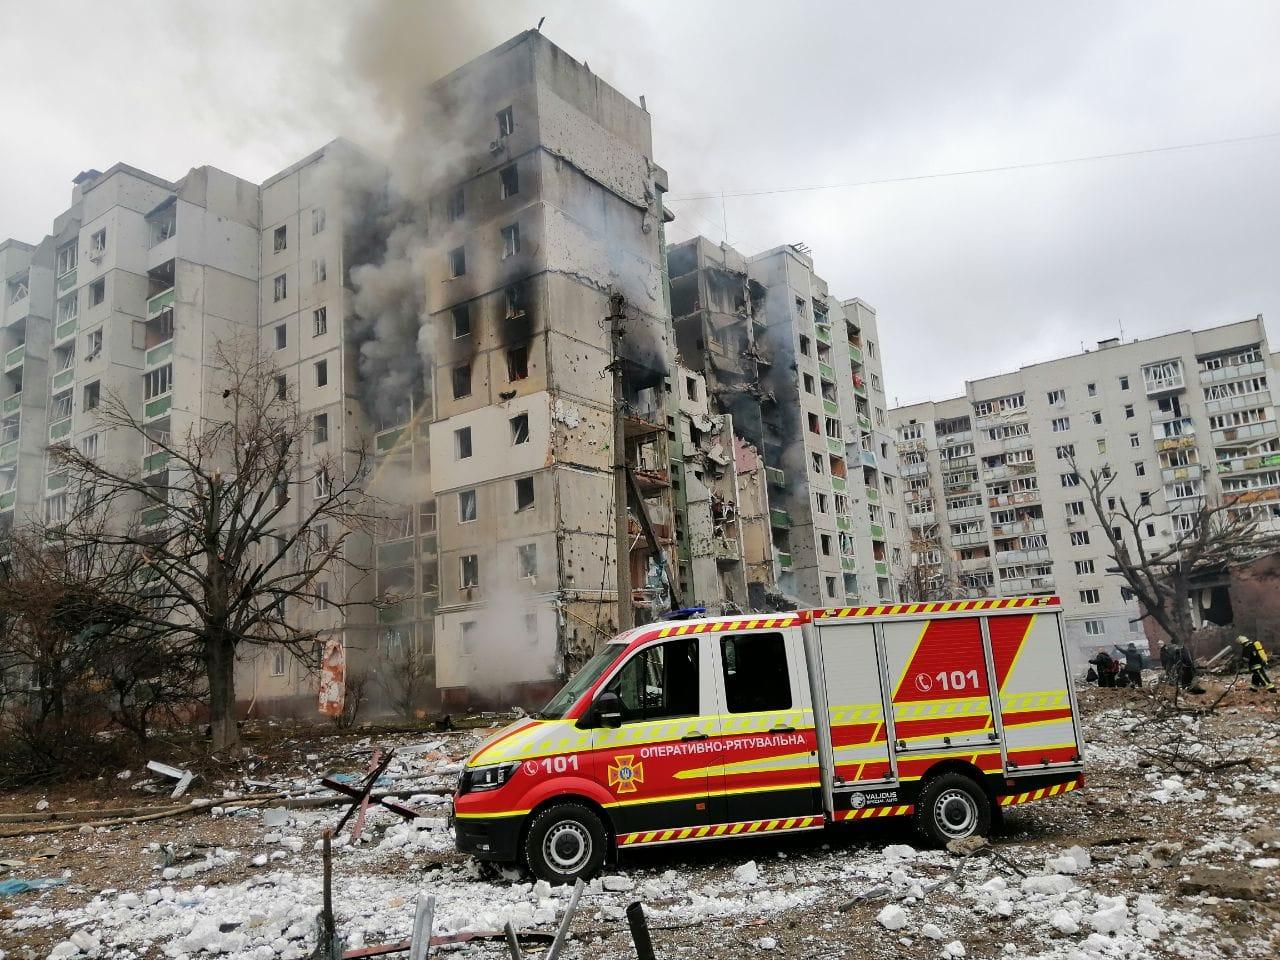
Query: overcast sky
x=970, y=275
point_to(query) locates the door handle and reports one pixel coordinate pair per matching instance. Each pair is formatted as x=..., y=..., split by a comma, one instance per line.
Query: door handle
x=782, y=728
x=695, y=735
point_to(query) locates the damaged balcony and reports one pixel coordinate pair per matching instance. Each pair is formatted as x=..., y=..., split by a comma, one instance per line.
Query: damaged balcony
x=651, y=481
x=161, y=290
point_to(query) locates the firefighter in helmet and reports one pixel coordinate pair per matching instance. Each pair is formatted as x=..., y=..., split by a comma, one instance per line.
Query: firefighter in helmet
x=1255, y=658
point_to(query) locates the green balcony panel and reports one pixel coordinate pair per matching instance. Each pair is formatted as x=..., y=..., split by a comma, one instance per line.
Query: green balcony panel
x=873, y=495
x=156, y=462
x=839, y=485
x=14, y=356
x=65, y=330
x=153, y=515
x=779, y=518
x=855, y=354
x=12, y=404
x=7, y=499
x=831, y=407
x=827, y=371
x=387, y=439
x=56, y=481
x=775, y=476
x=60, y=429
x=835, y=445
x=844, y=523
x=160, y=302
x=397, y=612
x=158, y=407
x=396, y=553
x=64, y=379
x=159, y=354
x=66, y=282
x=429, y=544
x=882, y=568
x=864, y=422
x=848, y=563
x=784, y=561
x=9, y=453
x=877, y=532
x=824, y=333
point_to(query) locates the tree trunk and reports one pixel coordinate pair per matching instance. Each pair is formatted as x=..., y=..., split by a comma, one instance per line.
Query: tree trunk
x=219, y=663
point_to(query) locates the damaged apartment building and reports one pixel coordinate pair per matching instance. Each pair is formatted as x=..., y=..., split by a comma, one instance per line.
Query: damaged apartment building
x=796, y=373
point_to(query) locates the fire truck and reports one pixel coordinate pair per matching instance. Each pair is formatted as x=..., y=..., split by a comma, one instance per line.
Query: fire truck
x=718, y=727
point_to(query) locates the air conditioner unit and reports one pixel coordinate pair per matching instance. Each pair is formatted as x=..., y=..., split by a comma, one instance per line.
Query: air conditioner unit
x=497, y=146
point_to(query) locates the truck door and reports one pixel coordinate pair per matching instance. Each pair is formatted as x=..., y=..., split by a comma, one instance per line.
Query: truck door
x=768, y=755
x=656, y=765
x=1034, y=681
x=941, y=695
x=855, y=704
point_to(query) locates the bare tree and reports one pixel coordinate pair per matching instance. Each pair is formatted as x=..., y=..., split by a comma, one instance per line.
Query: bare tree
x=929, y=573
x=1159, y=569
x=242, y=530
x=406, y=679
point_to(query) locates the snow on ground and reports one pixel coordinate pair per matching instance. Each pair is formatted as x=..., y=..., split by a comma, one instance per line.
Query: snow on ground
x=1100, y=873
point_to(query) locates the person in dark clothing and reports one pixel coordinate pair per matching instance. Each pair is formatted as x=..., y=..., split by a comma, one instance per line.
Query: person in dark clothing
x=1168, y=659
x=1107, y=668
x=1184, y=666
x=1132, y=664
x=1255, y=658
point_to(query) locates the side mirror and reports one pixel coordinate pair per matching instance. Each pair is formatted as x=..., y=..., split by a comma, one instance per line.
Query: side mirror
x=606, y=711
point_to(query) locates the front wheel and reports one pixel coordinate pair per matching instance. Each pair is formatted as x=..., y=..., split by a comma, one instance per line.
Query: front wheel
x=952, y=807
x=565, y=842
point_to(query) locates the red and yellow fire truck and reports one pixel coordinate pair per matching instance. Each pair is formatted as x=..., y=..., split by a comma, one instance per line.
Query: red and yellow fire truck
x=718, y=727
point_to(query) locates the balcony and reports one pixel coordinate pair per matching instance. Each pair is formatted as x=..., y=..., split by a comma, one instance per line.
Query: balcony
x=844, y=524
x=864, y=422
x=396, y=553
x=1169, y=380
x=1022, y=442
x=55, y=481
x=387, y=440
x=158, y=407
x=775, y=477
x=978, y=538
x=1008, y=557
x=1243, y=464
x=160, y=302
x=877, y=532
x=1017, y=529
x=873, y=495
x=726, y=550
x=1243, y=434
x=1041, y=584
x=8, y=453
x=826, y=371
x=779, y=519
x=784, y=561
x=823, y=332
x=59, y=430
x=1252, y=496
x=975, y=564
x=1012, y=499
x=835, y=445
x=922, y=519
x=859, y=385
x=154, y=515
x=839, y=484
x=951, y=439
x=855, y=353
x=66, y=281
x=882, y=568
x=13, y=359
x=1241, y=401
x=1164, y=416
x=1234, y=372
x=1192, y=471
x=12, y=404
x=63, y=379
x=8, y=499
x=1175, y=443
x=849, y=564
x=66, y=330
x=161, y=353
x=914, y=469
x=957, y=463
x=966, y=513
x=868, y=459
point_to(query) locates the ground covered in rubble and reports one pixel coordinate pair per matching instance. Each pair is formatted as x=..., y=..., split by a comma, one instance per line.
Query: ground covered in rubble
x=1172, y=851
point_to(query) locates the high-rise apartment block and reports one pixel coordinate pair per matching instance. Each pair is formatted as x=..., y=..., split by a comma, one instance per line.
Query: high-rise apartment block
x=992, y=479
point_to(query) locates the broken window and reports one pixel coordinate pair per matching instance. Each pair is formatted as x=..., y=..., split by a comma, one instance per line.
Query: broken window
x=320, y=318
x=282, y=386
x=93, y=345
x=510, y=240
x=808, y=383
x=461, y=381
x=319, y=270
x=320, y=428
x=98, y=245
x=510, y=180
x=816, y=459
x=97, y=292
x=457, y=205
x=317, y=220
x=68, y=308
x=469, y=571
x=527, y=561
x=462, y=443
x=322, y=485
x=518, y=363
x=280, y=288
x=461, y=321
x=280, y=240
x=804, y=345
x=520, y=429
x=826, y=544
x=506, y=122
x=524, y=492
x=92, y=395
x=822, y=503
x=282, y=336
x=457, y=262
x=466, y=506
x=691, y=388
x=67, y=258
x=322, y=373
x=814, y=424
x=515, y=304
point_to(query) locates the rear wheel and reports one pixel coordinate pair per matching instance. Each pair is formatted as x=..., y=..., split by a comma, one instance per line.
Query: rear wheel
x=952, y=807
x=565, y=842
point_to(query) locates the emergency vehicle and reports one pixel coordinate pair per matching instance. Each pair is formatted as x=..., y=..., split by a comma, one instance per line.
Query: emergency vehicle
x=700, y=729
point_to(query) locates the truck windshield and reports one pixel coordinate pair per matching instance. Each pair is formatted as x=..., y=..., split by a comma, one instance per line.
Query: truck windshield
x=581, y=681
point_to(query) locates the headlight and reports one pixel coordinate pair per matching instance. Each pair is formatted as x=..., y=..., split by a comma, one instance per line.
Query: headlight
x=477, y=779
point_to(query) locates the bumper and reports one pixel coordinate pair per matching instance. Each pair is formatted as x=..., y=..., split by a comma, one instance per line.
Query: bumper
x=497, y=838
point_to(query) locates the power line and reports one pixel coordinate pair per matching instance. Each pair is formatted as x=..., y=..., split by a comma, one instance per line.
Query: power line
x=978, y=170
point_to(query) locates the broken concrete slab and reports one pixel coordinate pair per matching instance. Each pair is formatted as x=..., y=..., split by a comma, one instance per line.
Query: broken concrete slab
x=1224, y=882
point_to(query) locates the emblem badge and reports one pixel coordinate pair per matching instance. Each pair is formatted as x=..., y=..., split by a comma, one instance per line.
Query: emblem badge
x=857, y=801
x=625, y=774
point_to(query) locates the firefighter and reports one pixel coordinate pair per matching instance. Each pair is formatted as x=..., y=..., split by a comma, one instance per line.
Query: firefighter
x=1132, y=664
x=1107, y=668
x=1255, y=658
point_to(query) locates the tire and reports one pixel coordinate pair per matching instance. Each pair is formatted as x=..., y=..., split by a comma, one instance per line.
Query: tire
x=565, y=842
x=951, y=807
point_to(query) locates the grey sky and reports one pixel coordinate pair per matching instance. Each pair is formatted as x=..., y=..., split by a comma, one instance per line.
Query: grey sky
x=970, y=275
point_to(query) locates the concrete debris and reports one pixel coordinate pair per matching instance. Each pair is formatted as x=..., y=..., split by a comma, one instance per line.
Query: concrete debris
x=892, y=917
x=183, y=777
x=1229, y=883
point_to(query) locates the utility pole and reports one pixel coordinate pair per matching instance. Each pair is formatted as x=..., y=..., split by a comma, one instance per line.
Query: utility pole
x=622, y=535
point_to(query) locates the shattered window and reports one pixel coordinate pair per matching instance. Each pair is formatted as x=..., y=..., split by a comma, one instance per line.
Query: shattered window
x=524, y=493
x=510, y=180
x=280, y=288
x=320, y=317
x=520, y=428
x=280, y=241
x=518, y=363
x=527, y=561
x=469, y=571
x=510, y=240
x=322, y=373
x=321, y=428
x=506, y=122
x=461, y=381
x=462, y=442
x=466, y=506
x=457, y=262
x=461, y=321
x=317, y=220
x=282, y=386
